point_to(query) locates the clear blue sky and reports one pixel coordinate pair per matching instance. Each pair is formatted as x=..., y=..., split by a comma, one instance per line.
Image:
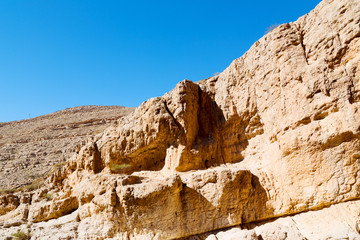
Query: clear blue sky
x=60, y=54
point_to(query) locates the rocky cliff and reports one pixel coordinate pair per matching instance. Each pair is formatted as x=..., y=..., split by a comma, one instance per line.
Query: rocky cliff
x=271, y=146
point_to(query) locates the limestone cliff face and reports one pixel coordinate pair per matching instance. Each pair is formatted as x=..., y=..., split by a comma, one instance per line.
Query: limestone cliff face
x=277, y=133
x=302, y=80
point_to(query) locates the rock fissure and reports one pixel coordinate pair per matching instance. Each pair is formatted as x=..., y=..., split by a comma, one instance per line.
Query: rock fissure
x=301, y=39
x=173, y=118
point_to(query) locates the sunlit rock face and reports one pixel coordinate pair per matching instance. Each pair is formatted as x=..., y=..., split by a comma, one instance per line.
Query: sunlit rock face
x=275, y=134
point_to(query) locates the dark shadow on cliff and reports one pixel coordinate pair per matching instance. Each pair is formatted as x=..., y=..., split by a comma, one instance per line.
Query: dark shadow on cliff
x=218, y=140
x=191, y=119
x=243, y=200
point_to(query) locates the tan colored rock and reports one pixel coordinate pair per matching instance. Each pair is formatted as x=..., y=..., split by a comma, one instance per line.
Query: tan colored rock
x=307, y=156
x=62, y=228
x=340, y=221
x=8, y=202
x=15, y=218
x=41, y=212
x=184, y=124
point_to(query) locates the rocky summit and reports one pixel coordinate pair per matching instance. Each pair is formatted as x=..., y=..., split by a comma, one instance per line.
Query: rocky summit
x=267, y=149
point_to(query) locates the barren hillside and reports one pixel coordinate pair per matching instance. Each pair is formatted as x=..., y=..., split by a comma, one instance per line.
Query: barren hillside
x=30, y=149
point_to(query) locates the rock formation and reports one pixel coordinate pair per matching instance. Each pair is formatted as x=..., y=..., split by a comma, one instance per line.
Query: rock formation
x=277, y=134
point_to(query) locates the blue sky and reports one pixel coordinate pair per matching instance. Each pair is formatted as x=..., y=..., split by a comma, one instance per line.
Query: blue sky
x=60, y=54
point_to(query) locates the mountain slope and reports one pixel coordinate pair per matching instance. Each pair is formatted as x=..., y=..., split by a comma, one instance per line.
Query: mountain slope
x=31, y=148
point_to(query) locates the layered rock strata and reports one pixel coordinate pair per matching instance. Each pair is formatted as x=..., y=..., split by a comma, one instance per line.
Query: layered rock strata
x=275, y=134
x=339, y=221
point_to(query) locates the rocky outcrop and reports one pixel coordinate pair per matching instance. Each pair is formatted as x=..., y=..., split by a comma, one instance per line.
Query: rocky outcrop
x=303, y=81
x=275, y=134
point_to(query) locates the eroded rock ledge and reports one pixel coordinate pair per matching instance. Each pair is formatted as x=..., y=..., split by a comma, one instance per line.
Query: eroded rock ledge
x=275, y=134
